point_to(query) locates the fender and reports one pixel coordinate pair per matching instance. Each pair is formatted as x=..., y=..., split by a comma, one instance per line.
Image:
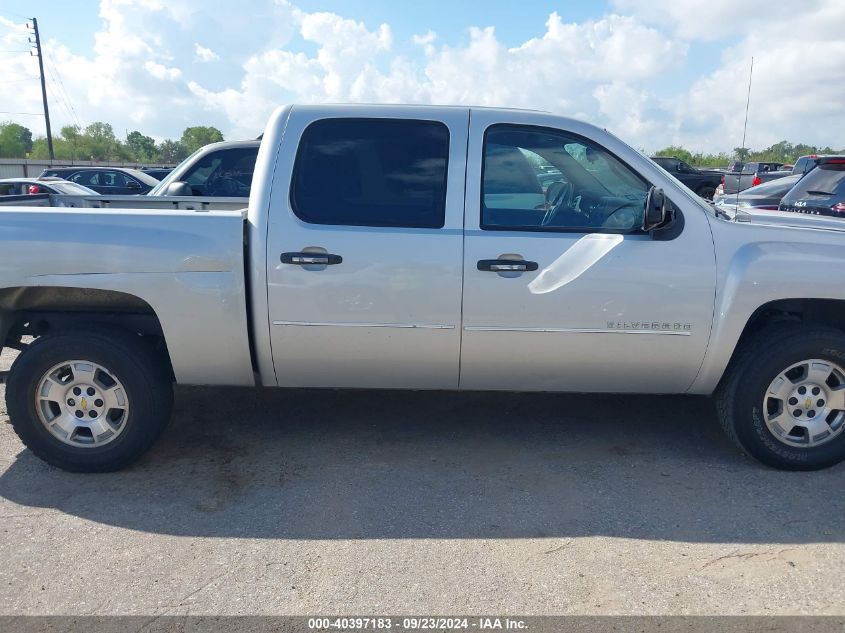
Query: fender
x=793, y=264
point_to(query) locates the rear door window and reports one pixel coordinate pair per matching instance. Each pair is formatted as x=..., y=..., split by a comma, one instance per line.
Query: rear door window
x=86, y=178
x=373, y=172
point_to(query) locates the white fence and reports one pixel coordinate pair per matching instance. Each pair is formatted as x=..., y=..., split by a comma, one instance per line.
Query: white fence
x=25, y=168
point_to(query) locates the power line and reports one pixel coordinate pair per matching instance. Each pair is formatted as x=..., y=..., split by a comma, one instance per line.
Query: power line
x=57, y=97
x=27, y=113
x=58, y=76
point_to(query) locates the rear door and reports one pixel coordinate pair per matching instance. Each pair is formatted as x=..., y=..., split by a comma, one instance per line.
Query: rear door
x=364, y=247
x=562, y=291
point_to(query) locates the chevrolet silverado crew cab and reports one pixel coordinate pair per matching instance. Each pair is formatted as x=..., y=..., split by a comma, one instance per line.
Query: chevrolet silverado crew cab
x=413, y=247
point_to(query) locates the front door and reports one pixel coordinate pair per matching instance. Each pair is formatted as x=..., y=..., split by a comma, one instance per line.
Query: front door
x=364, y=248
x=562, y=292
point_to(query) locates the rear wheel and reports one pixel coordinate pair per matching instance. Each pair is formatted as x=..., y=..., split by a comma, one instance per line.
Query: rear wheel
x=89, y=401
x=707, y=192
x=783, y=398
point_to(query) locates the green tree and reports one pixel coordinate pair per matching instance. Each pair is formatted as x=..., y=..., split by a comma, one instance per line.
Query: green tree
x=172, y=151
x=141, y=148
x=15, y=140
x=195, y=137
x=742, y=153
x=676, y=151
x=100, y=142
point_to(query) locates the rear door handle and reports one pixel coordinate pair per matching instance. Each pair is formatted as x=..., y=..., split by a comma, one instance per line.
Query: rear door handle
x=311, y=259
x=506, y=265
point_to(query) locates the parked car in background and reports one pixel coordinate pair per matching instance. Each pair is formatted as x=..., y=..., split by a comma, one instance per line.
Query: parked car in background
x=159, y=173
x=34, y=186
x=807, y=163
x=106, y=180
x=751, y=175
x=765, y=197
x=217, y=170
x=821, y=191
x=701, y=181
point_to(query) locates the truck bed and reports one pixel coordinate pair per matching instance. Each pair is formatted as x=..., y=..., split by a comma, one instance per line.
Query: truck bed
x=164, y=203
x=186, y=265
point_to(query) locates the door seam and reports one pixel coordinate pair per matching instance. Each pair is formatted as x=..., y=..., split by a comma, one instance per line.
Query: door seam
x=463, y=251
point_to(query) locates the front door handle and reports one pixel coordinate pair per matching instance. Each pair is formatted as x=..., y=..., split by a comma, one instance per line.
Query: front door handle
x=506, y=265
x=311, y=259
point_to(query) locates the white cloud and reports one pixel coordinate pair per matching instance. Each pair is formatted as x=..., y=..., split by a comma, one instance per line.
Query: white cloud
x=797, y=90
x=160, y=71
x=203, y=54
x=714, y=19
x=560, y=70
x=628, y=71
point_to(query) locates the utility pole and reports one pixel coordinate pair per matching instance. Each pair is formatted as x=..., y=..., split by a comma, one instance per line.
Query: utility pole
x=43, y=86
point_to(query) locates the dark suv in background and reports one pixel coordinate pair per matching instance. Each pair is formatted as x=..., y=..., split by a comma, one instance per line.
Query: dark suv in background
x=117, y=181
x=821, y=191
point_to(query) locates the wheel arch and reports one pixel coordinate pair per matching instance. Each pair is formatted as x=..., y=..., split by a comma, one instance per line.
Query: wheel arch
x=800, y=311
x=38, y=310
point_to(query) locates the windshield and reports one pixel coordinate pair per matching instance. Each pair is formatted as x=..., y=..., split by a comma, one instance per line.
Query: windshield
x=143, y=177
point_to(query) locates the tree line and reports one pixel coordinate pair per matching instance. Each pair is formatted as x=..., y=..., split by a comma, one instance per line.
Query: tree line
x=782, y=152
x=98, y=142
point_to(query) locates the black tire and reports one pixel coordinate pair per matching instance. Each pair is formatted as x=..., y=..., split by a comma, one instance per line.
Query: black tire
x=739, y=397
x=144, y=375
x=707, y=192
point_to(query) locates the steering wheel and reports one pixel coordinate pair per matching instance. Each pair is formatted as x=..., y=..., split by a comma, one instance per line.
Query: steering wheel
x=224, y=187
x=622, y=217
x=558, y=195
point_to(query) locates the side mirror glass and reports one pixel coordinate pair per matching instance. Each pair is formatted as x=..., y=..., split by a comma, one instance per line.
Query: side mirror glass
x=131, y=184
x=655, y=209
x=178, y=188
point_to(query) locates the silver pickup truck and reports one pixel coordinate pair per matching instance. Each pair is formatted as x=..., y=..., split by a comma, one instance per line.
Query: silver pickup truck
x=412, y=247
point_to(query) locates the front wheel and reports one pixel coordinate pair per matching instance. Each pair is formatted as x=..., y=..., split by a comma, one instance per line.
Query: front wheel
x=89, y=401
x=783, y=398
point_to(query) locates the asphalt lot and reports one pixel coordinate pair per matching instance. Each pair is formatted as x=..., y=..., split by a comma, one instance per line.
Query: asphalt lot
x=304, y=502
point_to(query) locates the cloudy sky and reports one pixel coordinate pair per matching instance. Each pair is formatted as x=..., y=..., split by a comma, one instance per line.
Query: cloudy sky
x=654, y=72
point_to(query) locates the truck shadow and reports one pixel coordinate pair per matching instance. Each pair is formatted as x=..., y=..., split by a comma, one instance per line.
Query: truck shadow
x=371, y=465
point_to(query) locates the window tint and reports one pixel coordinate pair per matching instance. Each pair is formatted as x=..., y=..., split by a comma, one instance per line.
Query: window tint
x=593, y=190
x=224, y=173
x=113, y=179
x=373, y=172
x=86, y=178
x=668, y=164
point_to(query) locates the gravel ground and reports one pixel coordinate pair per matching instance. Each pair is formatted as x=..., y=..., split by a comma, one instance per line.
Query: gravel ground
x=303, y=502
